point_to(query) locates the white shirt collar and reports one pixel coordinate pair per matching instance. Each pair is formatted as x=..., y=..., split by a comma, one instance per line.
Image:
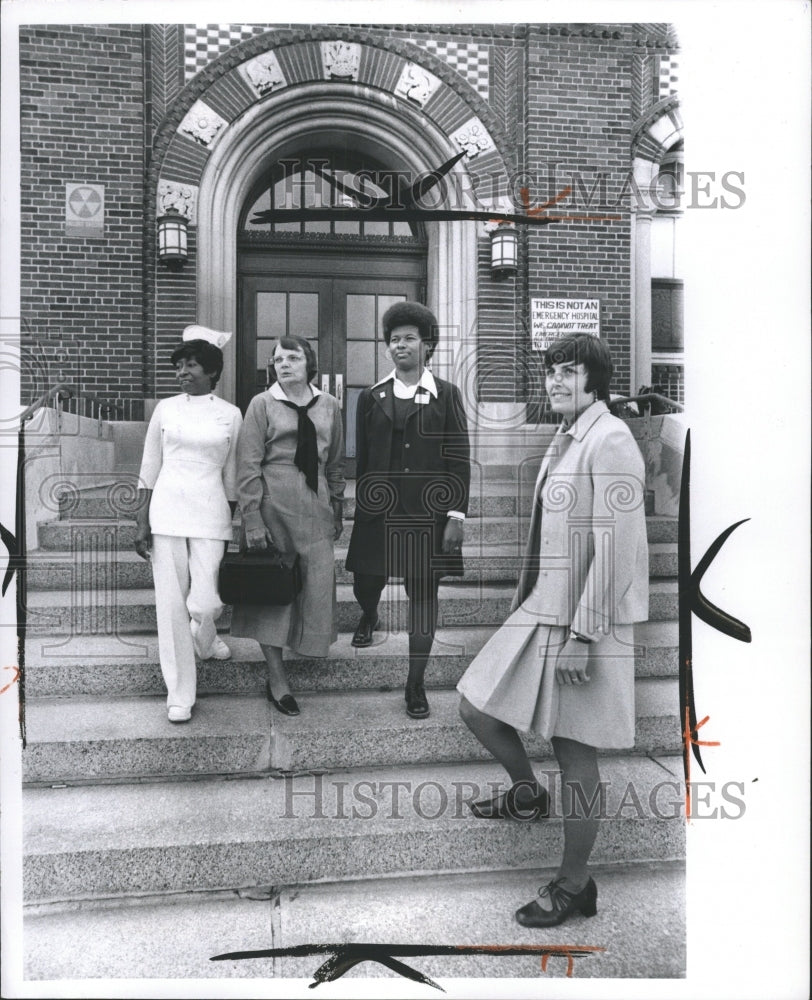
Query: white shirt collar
x=425, y=382
x=278, y=392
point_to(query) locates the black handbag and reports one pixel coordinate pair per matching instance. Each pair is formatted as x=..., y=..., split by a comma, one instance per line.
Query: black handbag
x=261, y=577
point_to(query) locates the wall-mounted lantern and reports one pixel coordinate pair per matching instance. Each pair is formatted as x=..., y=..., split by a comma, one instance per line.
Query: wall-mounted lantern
x=504, y=250
x=172, y=245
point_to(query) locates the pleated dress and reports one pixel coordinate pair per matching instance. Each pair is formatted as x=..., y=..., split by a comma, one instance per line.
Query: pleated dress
x=513, y=676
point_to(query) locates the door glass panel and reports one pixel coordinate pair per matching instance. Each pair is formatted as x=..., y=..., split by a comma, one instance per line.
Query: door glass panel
x=385, y=363
x=264, y=349
x=352, y=396
x=361, y=317
x=376, y=228
x=348, y=228
x=384, y=302
x=360, y=362
x=304, y=315
x=271, y=319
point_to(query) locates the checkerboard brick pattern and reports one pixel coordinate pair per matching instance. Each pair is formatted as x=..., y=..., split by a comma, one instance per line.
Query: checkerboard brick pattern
x=668, y=76
x=204, y=42
x=470, y=60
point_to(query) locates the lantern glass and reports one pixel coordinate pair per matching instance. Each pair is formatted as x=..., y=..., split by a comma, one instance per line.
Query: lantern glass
x=172, y=245
x=504, y=247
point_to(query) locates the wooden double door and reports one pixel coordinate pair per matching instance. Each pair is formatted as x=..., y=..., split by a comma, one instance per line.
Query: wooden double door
x=335, y=301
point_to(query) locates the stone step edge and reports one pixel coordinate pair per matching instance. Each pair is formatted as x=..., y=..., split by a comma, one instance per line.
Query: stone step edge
x=617, y=767
x=447, y=642
x=175, y=897
x=671, y=771
x=448, y=591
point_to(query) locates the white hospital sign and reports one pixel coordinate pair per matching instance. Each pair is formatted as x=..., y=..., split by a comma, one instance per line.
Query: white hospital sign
x=554, y=318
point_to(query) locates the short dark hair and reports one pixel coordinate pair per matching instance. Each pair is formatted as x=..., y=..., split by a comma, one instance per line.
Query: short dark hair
x=589, y=351
x=292, y=343
x=209, y=357
x=412, y=314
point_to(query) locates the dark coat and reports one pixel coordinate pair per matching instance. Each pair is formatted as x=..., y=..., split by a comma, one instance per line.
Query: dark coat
x=430, y=477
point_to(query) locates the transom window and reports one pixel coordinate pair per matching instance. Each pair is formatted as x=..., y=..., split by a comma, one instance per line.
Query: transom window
x=324, y=180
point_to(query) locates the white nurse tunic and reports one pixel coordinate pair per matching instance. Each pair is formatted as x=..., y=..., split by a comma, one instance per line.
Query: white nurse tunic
x=189, y=463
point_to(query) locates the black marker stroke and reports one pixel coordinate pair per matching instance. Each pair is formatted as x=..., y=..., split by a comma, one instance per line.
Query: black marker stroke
x=693, y=602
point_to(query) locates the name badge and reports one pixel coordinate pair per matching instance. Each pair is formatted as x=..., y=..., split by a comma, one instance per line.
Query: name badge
x=422, y=399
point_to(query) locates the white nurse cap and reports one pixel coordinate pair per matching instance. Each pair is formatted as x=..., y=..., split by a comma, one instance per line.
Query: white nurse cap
x=219, y=338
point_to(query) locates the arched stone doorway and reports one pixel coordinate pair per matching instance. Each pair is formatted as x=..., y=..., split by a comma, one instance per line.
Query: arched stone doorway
x=328, y=115
x=327, y=280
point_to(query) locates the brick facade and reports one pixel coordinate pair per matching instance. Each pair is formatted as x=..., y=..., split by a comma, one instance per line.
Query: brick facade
x=82, y=120
x=102, y=104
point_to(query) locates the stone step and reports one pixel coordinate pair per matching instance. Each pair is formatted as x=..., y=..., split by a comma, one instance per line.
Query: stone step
x=57, y=570
x=104, y=535
x=175, y=937
x=119, y=666
x=120, y=500
x=122, y=611
x=95, y=739
x=88, y=842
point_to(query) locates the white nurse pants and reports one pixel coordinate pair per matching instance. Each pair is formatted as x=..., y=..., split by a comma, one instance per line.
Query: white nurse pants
x=185, y=575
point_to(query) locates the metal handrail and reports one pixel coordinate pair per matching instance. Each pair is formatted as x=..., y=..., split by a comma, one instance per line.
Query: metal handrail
x=65, y=391
x=648, y=399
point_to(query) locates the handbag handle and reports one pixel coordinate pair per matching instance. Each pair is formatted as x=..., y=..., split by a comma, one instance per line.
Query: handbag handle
x=273, y=557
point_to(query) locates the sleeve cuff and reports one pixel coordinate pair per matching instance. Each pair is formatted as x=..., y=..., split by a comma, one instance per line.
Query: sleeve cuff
x=457, y=515
x=252, y=520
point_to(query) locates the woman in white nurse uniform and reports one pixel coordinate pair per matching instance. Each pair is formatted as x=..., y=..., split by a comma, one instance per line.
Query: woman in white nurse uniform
x=184, y=519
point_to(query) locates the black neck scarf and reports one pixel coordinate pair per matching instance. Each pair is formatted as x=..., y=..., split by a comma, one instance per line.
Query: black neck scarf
x=306, y=458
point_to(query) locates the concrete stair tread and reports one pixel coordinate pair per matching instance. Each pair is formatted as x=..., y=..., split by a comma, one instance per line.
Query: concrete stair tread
x=117, y=719
x=139, y=648
x=109, y=739
x=246, y=809
x=175, y=939
x=52, y=720
x=471, y=549
x=127, y=665
x=393, y=592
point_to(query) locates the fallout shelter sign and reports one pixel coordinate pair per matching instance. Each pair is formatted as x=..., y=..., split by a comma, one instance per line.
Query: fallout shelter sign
x=84, y=210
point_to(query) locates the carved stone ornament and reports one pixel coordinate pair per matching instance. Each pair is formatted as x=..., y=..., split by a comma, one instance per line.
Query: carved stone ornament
x=341, y=60
x=416, y=84
x=202, y=124
x=178, y=198
x=263, y=74
x=473, y=138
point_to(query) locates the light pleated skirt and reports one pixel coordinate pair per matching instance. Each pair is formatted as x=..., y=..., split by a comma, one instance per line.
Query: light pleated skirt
x=513, y=679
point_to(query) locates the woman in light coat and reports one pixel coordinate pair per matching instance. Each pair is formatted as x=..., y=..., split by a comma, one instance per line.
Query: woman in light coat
x=562, y=665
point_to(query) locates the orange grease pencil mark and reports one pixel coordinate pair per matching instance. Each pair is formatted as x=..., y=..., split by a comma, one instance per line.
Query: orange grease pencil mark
x=13, y=680
x=690, y=740
x=568, y=951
